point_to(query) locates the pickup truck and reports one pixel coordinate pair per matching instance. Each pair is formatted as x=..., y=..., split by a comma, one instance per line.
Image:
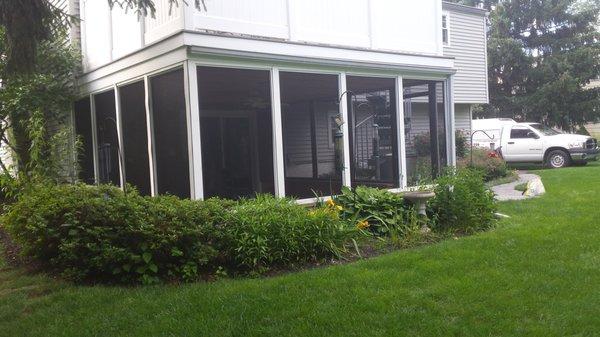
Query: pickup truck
x=533, y=143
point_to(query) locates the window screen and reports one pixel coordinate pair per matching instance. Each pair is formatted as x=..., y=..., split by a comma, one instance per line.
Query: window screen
x=135, y=136
x=425, y=130
x=83, y=130
x=108, y=140
x=309, y=105
x=373, y=136
x=170, y=134
x=236, y=129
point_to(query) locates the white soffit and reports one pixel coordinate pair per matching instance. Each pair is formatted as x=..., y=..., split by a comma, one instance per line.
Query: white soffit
x=285, y=51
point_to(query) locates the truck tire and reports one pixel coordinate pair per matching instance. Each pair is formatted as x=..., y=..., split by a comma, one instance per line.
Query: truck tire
x=558, y=159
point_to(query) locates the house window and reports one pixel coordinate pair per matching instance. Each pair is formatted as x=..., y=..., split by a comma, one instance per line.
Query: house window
x=108, y=139
x=445, y=28
x=170, y=133
x=83, y=131
x=236, y=131
x=135, y=136
x=312, y=166
x=373, y=136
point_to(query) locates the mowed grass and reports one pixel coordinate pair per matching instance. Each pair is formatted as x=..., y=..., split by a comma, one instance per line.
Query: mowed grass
x=537, y=274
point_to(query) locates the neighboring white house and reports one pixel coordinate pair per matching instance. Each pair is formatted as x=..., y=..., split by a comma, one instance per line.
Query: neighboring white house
x=290, y=97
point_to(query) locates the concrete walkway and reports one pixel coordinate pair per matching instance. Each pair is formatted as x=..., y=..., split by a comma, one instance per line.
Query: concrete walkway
x=507, y=191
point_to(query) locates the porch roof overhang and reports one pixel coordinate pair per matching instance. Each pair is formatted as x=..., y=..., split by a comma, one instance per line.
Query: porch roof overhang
x=285, y=52
x=184, y=45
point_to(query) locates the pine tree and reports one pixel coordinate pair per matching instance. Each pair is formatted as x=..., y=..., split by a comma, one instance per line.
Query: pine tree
x=541, y=55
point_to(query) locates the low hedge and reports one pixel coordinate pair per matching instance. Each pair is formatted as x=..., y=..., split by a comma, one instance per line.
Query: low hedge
x=101, y=234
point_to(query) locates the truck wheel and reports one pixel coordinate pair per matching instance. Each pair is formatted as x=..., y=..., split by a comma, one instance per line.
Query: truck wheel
x=558, y=159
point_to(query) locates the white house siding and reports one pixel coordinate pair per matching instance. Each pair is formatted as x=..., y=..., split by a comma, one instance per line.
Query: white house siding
x=467, y=44
x=462, y=117
x=403, y=26
x=107, y=34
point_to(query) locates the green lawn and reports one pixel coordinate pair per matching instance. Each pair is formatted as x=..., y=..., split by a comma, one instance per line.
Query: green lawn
x=537, y=274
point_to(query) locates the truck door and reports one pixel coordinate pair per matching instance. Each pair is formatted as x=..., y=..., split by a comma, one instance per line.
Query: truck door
x=523, y=145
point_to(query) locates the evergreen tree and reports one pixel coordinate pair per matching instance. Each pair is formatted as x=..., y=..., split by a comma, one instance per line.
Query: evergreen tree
x=541, y=56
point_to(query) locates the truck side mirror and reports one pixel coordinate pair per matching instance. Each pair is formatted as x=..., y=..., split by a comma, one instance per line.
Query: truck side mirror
x=533, y=135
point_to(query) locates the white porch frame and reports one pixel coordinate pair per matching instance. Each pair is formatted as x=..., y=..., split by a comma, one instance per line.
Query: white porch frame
x=274, y=67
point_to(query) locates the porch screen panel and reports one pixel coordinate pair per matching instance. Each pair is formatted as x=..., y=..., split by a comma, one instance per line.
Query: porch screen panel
x=236, y=129
x=135, y=137
x=170, y=133
x=108, y=139
x=425, y=130
x=373, y=136
x=83, y=130
x=312, y=145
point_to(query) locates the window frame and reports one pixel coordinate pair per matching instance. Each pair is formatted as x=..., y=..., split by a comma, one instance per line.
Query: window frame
x=518, y=127
x=446, y=16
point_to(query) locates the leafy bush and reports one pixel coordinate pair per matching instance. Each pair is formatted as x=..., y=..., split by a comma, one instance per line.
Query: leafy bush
x=462, y=203
x=491, y=166
x=268, y=231
x=462, y=143
x=102, y=234
x=384, y=211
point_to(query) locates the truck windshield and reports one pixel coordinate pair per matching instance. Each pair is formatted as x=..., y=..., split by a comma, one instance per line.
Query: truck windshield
x=545, y=130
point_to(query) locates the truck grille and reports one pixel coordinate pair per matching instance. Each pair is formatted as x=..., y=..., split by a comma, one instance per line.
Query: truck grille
x=591, y=143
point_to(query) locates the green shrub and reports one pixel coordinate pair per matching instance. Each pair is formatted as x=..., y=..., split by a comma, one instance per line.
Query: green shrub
x=268, y=231
x=462, y=143
x=101, y=234
x=383, y=210
x=462, y=203
x=491, y=167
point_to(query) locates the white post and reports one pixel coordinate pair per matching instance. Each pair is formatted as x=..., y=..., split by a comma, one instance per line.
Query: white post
x=343, y=96
x=401, y=136
x=195, y=146
x=278, y=162
x=94, y=139
x=150, y=134
x=119, y=126
x=450, y=122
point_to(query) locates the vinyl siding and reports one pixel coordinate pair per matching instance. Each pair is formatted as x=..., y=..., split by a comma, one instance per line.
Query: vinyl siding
x=467, y=45
x=462, y=117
